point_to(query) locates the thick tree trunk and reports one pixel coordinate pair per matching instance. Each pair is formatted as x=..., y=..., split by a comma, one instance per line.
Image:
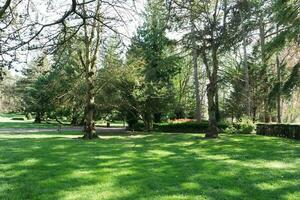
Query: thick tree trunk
x=148, y=120
x=92, y=35
x=213, y=129
x=89, y=124
x=211, y=97
x=195, y=66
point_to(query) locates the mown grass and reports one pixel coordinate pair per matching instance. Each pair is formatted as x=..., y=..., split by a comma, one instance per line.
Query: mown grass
x=148, y=166
x=6, y=121
x=27, y=124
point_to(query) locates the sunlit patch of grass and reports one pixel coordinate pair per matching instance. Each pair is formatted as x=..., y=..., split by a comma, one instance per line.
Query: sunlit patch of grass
x=158, y=166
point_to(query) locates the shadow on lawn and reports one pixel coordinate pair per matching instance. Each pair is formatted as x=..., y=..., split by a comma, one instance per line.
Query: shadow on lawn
x=150, y=166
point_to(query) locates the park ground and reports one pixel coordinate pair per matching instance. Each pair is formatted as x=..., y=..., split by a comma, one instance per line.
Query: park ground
x=56, y=165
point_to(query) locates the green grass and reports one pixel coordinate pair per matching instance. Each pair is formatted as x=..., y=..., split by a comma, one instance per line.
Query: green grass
x=26, y=124
x=153, y=166
x=7, y=122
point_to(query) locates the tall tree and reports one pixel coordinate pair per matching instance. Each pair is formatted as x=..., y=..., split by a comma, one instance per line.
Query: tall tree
x=195, y=62
x=160, y=61
x=219, y=31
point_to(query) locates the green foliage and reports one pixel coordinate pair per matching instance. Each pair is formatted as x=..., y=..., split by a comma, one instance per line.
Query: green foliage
x=231, y=129
x=187, y=127
x=18, y=118
x=279, y=130
x=152, y=58
x=293, y=81
x=244, y=126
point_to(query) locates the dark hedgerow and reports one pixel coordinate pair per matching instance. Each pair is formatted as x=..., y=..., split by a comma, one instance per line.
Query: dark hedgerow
x=291, y=131
x=187, y=127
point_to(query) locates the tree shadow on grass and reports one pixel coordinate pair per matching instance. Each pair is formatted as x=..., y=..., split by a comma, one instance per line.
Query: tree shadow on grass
x=159, y=166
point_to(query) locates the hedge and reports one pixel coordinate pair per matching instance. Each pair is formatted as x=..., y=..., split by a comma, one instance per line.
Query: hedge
x=186, y=127
x=279, y=130
x=18, y=118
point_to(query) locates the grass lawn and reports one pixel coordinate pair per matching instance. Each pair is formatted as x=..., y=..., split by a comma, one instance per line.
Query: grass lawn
x=26, y=124
x=7, y=122
x=154, y=166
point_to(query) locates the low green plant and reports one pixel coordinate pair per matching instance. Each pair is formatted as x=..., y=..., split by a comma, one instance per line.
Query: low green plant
x=230, y=129
x=18, y=118
x=246, y=126
x=243, y=126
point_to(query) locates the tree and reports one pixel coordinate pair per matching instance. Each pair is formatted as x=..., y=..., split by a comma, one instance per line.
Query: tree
x=220, y=30
x=34, y=88
x=195, y=63
x=153, y=47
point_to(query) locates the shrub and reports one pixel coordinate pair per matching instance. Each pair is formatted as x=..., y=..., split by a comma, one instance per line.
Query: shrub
x=244, y=126
x=18, y=118
x=135, y=126
x=231, y=129
x=291, y=131
x=187, y=127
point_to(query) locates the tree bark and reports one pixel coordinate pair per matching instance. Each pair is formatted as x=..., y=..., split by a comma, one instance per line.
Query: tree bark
x=279, y=89
x=211, y=96
x=92, y=37
x=279, y=86
x=246, y=70
x=262, y=35
x=213, y=130
x=148, y=119
x=195, y=66
x=89, y=124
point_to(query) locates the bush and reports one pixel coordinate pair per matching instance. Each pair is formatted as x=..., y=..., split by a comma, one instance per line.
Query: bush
x=135, y=126
x=244, y=126
x=279, y=130
x=18, y=118
x=231, y=129
x=187, y=127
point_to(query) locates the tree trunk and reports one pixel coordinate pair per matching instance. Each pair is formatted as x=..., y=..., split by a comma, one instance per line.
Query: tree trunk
x=92, y=38
x=279, y=90
x=279, y=86
x=195, y=66
x=262, y=36
x=246, y=70
x=213, y=130
x=89, y=124
x=148, y=120
x=211, y=97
